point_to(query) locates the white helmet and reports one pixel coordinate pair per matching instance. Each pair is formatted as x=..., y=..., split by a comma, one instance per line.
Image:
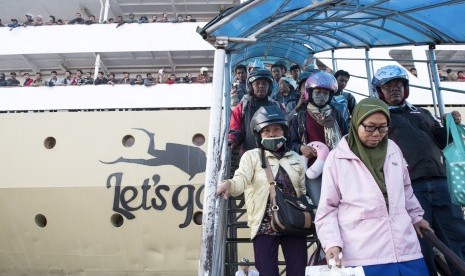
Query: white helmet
x=203, y=69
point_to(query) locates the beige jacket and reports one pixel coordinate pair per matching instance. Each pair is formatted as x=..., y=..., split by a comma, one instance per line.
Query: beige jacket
x=250, y=179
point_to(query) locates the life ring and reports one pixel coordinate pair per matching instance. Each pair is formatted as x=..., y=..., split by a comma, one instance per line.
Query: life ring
x=316, y=168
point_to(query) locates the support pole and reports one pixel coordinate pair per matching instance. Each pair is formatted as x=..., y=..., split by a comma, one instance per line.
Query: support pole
x=369, y=72
x=221, y=211
x=213, y=166
x=97, y=65
x=333, y=61
x=107, y=8
x=434, y=72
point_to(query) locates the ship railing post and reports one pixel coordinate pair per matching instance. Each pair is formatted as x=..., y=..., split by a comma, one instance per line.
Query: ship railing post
x=213, y=165
x=434, y=72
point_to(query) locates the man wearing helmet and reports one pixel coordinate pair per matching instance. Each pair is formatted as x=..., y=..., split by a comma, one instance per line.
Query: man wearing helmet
x=244, y=269
x=269, y=127
x=319, y=122
x=421, y=138
x=203, y=77
x=259, y=85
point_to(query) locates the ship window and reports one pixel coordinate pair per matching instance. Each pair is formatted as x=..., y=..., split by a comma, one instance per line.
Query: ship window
x=198, y=139
x=197, y=217
x=117, y=220
x=128, y=141
x=41, y=220
x=50, y=142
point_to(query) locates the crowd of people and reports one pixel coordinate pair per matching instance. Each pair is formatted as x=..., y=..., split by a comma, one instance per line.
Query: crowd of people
x=382, y=184
x=39, y=20
x=80, y=78
x=450, y=76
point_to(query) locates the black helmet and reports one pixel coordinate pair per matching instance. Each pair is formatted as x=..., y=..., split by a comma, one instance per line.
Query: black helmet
x=260, y=74
x=268, y=115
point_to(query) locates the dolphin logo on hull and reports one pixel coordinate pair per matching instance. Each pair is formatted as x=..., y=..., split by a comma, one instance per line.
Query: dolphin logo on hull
x=192, y=160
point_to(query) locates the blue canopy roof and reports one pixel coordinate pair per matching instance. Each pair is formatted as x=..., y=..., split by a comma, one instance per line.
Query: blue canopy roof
x=294, y=29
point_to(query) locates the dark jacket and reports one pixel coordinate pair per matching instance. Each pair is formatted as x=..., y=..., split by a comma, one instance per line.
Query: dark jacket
x=241, y=116
x=98, y=81
x=295, y=138
x=77, y=21
x=421, y=138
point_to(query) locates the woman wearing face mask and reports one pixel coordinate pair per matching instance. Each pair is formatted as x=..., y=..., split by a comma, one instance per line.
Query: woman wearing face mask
x=319, y=122
x=270, y=128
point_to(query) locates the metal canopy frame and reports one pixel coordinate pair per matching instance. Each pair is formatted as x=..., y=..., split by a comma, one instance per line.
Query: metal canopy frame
x=283, y=26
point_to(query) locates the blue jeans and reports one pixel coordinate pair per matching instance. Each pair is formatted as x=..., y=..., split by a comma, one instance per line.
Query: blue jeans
x=445, y=218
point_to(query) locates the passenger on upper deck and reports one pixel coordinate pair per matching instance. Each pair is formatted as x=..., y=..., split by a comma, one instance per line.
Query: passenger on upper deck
x=126, y=78
x=451, y=76
x=143, y=19
x=14, y=23
x=77, y=20
x=12, y=81
x=343, y=101
x=1, y=24
x=154, y=18
x=164, y=18
x=460, y=76
x=88, y=79
x=67, y=80
x=2, y=79
x=100, y=79
x=203, y=77
x=111, y=79
x=39, y=20
x=29, y=20
x=171, y=79
x=259, y=85
x=27, y=80
x=78, y=79
x=239, y=86
x=319, y=122
x=137, y=81
x=91, y=20
x=53, y=79
x=421, y=138
x=179, y=19
x=51, y=20
x=149, y=80
x=190, y=19
x=38, y=81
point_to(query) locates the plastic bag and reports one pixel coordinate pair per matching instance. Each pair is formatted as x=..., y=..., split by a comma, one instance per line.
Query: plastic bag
x=454, y=154
x=324, y=270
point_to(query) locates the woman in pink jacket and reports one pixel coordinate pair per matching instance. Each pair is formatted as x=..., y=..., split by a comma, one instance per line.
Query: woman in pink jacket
x=367, y=209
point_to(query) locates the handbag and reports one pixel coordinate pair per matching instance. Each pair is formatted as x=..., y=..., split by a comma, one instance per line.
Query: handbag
x=289, y=215
x=454, y=153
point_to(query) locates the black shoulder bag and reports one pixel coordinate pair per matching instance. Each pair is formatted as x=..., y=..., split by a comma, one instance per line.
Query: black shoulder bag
x=289, y=215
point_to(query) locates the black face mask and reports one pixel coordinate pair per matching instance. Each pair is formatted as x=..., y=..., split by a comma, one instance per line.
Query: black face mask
x=273, y=144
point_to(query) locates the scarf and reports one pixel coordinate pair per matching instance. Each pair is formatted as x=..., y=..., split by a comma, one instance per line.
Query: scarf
x=324, y=117
x=373, y=158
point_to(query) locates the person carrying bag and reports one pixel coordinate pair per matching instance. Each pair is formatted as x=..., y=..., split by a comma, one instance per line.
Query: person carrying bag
x=454, y=153
x=285, y=169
